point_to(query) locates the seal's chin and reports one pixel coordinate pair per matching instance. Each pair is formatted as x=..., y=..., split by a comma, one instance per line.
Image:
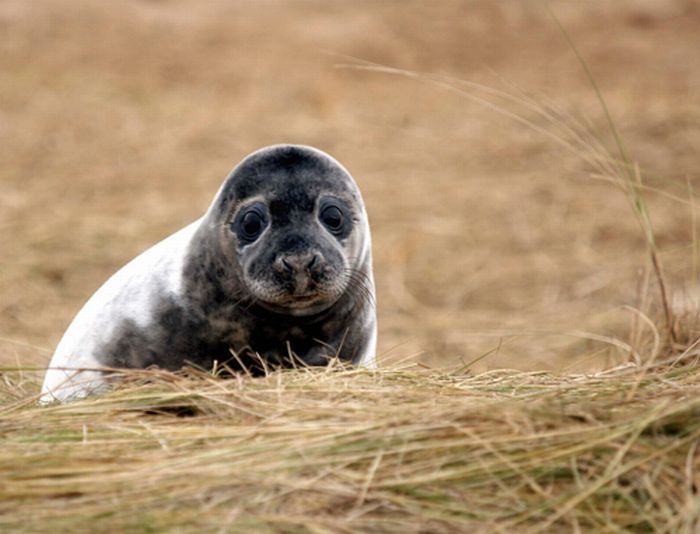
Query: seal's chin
x=306, y=304
x=297, y=305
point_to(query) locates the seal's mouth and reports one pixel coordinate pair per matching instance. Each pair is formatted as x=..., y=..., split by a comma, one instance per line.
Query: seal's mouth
x=296, y=301
x=306, y=297
x=305, y=289
x=298, y=306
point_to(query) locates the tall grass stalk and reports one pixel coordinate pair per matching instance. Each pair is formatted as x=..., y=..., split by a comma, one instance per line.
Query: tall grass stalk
x=629, y=171
x=570, y=133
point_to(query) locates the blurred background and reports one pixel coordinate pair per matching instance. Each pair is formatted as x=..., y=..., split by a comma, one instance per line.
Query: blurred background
x=118, y=123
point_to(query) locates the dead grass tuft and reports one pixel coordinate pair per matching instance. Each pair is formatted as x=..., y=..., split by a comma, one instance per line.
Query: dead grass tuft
x=345, y=450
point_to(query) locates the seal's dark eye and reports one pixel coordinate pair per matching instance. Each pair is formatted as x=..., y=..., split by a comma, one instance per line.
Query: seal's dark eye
x=332, y=217
x=250, y=223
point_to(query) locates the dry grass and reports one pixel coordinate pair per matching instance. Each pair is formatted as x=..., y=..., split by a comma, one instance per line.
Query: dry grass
x=500, y=241
x=348, y=451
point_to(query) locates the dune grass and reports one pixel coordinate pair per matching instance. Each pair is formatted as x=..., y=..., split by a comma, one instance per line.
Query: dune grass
x=351, y=450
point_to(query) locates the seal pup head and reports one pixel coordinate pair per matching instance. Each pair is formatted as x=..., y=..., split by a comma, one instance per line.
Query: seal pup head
x=291, y=223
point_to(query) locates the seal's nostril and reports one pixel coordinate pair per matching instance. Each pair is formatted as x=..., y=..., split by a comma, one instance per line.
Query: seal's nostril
x=287, y=266
x=298, y=263
x=313, y=261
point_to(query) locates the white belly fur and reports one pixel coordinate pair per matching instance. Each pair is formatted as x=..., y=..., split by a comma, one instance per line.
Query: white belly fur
x=131, y=293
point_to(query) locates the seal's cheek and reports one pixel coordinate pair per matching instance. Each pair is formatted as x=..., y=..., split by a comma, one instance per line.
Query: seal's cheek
x=334, y=262
x=256, y=263
x=354, y=248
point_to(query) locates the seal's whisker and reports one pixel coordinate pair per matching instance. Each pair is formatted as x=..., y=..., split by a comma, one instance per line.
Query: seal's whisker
x=360, y=286
x=360, y=292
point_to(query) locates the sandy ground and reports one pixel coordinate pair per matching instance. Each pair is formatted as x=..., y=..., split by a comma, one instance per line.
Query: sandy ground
x=119, y=121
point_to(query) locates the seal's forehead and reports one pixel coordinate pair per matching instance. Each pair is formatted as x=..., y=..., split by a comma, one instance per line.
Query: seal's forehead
x=294, y=175
x=289, y=169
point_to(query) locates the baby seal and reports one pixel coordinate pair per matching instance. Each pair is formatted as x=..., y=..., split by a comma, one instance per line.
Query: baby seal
x=278, y=269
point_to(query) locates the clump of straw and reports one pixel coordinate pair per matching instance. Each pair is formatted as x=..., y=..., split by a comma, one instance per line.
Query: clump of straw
x=351, y=450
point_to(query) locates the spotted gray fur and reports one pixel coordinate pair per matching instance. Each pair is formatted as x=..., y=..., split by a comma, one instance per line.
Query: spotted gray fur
x=236, y=300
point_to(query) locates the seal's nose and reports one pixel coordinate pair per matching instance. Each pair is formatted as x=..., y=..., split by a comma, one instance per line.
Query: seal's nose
x=293, y=264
